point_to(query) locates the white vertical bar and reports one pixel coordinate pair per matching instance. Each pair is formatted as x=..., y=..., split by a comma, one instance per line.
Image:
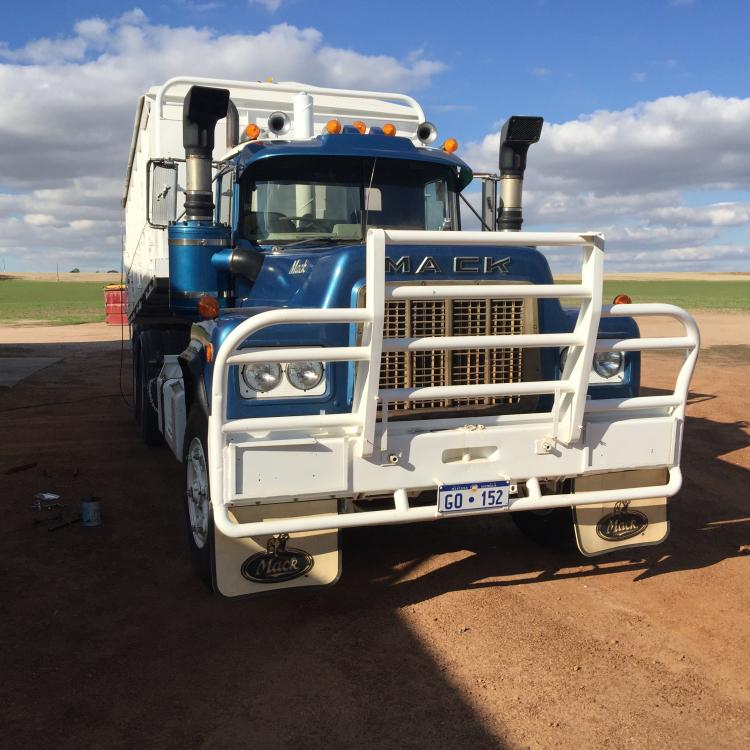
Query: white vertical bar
x=375, y=305
x=572, y=404
x=303, y=116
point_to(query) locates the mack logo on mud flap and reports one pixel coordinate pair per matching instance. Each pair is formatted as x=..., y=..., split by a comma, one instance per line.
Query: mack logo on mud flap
x=621, y=523
x=277, y=563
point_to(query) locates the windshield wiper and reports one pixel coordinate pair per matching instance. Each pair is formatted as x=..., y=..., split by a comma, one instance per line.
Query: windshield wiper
x=319, y=240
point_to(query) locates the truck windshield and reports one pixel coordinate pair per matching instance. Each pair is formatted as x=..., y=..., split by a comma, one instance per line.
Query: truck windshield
x=294, y=199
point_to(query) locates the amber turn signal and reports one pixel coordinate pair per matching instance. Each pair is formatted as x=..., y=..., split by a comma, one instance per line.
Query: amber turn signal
x=209, y=349
x=389, y=129
x=622, y=299
x=252, y=131
x=208, y=307
x=333, y=127
x=450, y=145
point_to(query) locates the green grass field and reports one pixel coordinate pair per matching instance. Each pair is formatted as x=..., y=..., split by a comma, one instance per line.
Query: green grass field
x=56, y=303
x=690, y=294
x=83, y=301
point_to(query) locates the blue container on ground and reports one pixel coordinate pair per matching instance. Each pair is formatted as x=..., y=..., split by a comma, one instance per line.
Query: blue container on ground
x=191, y=275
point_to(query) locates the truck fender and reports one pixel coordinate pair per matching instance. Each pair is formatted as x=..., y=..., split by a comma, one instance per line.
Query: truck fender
x=191, y=364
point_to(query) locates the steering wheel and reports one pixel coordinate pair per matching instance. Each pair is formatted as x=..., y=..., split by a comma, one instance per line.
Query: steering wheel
x=307, y=223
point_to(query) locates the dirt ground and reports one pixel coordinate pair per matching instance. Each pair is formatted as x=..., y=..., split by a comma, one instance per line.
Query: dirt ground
x=453, y=634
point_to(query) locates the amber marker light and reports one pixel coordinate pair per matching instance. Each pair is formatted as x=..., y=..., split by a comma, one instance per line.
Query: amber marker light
x=252, y=131
x=209, y=349
x=450, y=146
x=333, y=127
x=208, y=307
x=389, y=129
x=360, y=126
x=622, y=299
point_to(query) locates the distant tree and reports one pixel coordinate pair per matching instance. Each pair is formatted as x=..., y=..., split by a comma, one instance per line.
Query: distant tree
x=75, y=270
x=112, y=270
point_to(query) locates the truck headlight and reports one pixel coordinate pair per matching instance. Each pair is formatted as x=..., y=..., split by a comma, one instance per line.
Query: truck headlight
x=608, y=364
x=304, y=375
x=262, y=376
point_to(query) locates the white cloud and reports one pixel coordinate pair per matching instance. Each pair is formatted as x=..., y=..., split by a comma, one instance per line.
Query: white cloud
x=696, y=140
x=540, y=72
x=628, y=172
x=270, y=5
x=39, y=220
x=68, y=105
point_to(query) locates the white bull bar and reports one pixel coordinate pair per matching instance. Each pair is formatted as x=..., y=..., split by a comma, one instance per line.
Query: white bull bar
x=555, y=438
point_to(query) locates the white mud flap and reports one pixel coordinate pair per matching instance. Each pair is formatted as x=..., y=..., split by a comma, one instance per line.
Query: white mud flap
x=255, y=565
x=606, y=527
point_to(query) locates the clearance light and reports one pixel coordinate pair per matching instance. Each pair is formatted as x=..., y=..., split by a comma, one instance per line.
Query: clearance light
x=450, y=146
x=208, y=307
x=389, y=129
x=361, y=127
x=209, y=349
x=333, y=127
x=252, y=131
x=622, y=299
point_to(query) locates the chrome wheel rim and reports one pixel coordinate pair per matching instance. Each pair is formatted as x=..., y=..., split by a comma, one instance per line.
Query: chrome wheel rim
x=197, y=492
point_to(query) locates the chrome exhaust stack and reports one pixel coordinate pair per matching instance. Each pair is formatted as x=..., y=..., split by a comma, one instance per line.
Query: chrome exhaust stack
x=517, y=135
x=203, y=108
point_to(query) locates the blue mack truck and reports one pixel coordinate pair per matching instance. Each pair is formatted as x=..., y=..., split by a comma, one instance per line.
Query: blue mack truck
x=321, y=345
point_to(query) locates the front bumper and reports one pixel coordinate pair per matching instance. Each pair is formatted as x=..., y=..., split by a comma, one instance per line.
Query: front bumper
x=294, y=459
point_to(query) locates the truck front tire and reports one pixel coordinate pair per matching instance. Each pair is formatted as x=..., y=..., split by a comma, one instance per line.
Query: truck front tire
x=198, y=515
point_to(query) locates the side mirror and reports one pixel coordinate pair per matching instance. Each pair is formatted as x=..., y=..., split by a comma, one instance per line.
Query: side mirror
x=161, y=189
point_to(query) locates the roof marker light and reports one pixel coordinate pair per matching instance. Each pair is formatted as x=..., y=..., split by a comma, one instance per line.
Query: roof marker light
x=333, y=127
x=252, y=131
x=450, y=146
x=389, y=129
x=361, y=127
x=622, y=299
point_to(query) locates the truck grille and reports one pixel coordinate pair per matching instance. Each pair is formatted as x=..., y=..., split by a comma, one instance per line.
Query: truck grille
x=456, y=317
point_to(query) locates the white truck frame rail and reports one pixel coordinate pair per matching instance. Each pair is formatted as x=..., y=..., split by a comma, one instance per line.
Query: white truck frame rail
x=351, y=454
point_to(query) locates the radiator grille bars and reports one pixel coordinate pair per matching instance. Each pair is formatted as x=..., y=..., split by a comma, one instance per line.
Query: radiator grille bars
x=420, y=318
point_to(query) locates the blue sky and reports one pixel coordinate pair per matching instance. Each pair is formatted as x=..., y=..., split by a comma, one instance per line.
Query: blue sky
x=620, y=72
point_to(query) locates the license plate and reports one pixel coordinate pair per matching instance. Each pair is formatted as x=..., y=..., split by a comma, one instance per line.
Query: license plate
x=465, y=498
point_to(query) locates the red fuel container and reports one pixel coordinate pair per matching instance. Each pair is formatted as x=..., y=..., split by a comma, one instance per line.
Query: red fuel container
x=116, y=304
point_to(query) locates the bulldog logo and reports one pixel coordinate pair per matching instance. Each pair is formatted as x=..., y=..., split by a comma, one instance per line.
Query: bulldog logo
x=277, y=563
x=621, y=523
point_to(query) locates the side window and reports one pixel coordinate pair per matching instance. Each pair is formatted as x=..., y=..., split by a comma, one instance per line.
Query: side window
x=435, y=208
x=225, y=197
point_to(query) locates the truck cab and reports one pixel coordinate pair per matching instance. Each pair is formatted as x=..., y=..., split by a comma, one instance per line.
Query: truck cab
x=323, y=346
